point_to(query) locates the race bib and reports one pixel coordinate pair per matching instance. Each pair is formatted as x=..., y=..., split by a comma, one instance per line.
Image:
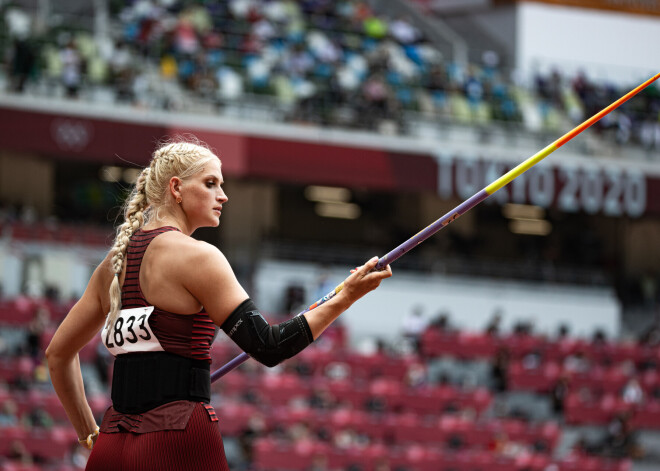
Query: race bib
x=131, y=332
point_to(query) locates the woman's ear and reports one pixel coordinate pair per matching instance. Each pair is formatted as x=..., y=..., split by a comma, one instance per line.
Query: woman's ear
x=175, y=187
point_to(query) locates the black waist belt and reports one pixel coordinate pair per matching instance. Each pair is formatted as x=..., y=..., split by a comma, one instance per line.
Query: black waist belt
x=142, y=381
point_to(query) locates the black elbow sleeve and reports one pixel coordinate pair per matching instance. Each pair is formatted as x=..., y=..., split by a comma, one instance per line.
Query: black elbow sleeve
x=268, y=344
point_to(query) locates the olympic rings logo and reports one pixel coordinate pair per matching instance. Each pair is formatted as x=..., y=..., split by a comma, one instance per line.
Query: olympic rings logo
x=72, y=135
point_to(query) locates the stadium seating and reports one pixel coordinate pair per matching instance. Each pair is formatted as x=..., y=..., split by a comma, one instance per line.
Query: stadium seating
x=360, y=409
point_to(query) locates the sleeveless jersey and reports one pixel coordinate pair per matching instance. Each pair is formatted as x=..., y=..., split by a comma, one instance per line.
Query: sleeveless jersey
x=142, y=327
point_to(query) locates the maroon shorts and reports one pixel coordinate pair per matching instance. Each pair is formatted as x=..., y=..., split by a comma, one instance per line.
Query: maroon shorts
x=198, y=447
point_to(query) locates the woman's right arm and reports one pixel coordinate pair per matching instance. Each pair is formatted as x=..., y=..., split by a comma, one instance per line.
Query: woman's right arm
x=211, y=281
x=81, y=324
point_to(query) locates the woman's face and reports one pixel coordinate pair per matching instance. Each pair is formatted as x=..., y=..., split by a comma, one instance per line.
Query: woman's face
x=202, y=196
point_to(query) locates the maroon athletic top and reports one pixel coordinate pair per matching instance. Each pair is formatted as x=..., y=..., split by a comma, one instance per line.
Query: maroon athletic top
x=188, y=335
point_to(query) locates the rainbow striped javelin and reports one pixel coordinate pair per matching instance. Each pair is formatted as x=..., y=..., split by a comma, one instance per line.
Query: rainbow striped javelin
x=464, y=207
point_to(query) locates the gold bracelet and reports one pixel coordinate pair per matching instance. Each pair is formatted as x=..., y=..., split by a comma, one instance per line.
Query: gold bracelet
x=89, y=441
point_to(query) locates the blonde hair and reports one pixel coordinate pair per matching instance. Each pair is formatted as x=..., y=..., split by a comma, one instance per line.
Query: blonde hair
x=181, y=159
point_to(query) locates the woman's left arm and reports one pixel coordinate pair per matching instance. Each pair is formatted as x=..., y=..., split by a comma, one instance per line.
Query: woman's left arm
x=80, y=325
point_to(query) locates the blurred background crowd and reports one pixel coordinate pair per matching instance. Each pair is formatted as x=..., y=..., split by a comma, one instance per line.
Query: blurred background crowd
x=343, y=64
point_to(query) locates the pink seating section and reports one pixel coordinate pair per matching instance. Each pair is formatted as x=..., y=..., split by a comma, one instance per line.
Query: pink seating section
x=578, y=411
x=271, y=455
x=51, y=445
x=61, y=233
x=608, y=373
x=49, y=402
x=405, y=428
x=467, y=345
x=282, y=389
x=20, y=311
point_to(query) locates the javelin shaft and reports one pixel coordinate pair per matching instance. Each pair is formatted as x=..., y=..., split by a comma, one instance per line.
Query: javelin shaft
x=463, y=207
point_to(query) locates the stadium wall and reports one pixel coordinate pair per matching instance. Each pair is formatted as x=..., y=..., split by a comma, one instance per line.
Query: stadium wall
x=608, y=45
x=469, y=302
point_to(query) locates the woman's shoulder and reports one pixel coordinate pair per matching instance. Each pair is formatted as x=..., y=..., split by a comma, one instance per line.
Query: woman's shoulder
x=180, y=245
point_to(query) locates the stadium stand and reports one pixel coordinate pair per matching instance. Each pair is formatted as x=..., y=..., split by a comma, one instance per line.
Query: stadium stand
x=340, y=64
x=335, y=407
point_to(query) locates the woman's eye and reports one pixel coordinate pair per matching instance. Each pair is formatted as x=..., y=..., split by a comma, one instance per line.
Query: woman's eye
x=210, y=184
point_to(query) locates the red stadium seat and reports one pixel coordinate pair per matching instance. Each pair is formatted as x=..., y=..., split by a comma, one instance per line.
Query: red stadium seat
x=435, y=343
x=270, y=455
x=422, y=401
x=648, y=416
x=352, y=392
x=580, y=412
x=10, y=466
x=54, y=444
x=476, y=345
x=479, y=400
x=410, y=428
x=540, y=379
x=235, y=383
x=51, y=403
x=280, y=389
x=520, y=345
x=234, y=417
x=10, y=435
x=390, y=391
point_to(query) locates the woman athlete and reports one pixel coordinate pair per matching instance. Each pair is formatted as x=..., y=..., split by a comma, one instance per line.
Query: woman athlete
x=158, y=297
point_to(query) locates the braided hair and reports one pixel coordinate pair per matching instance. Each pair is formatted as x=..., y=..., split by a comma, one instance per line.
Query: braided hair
x=150, y=193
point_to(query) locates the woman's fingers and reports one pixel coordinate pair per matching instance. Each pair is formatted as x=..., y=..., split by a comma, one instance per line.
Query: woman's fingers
x=369, y=267
x=365, y=278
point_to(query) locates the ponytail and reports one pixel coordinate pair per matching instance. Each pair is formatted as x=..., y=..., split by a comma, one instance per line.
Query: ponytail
x=134, y=218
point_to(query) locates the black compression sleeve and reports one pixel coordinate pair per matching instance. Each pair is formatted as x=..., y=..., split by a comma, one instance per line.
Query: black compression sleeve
x=268, y=344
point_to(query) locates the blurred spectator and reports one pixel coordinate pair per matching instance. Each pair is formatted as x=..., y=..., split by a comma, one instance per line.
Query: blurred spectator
x=559, y=393
x=413, y=326
x=71, y=69
x=323, y=285
x=37, y=417
x=416, y=376
x=36, y=329
x=322, y=399
x=23, y=62
x=632, y=392
x=649, y=289
x=577, y=363
x=337, y=370
x=499, y=369
x=79, y=456
x=436, y=82
x=650, y=337
x=18, y=453
x=532, y=360
x=384, y=465
x=599, y=337
x=562, y=332
x=493, y=327
x=8, y=414
x=441, y=322
x=404, y=31
x=255, y=428
x=620, y=440
x=319, y=463
x=294, y=297
x=376, y=96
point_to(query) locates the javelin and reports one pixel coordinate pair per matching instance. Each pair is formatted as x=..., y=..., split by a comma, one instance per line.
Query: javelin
x=462, y=208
